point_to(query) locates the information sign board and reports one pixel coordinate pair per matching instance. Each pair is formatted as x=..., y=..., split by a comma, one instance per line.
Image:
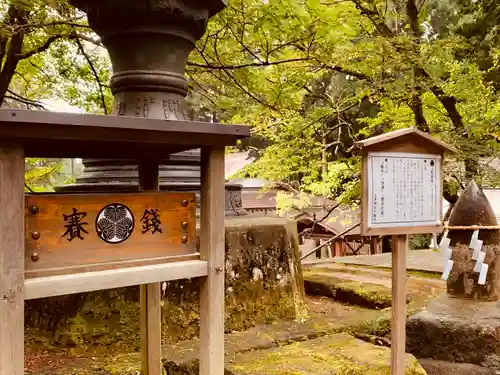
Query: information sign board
x=404, y=189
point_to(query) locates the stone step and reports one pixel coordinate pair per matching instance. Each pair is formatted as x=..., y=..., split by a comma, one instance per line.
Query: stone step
x=430, y=261
x=421, y=286
x=350, y=289
x=376, y=272
x=334, y=354
x=380, y=275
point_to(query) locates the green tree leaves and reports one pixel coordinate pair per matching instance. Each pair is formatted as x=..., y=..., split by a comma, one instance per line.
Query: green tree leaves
x=313, y=77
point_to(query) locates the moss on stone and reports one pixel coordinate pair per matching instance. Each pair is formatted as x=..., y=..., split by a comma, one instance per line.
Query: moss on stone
x=347, y=291
x=425, y=274
x=336, y=354
x=378, y=326
x=457, y=330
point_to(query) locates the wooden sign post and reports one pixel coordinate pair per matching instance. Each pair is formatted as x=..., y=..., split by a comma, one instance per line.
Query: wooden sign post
x=401, y=195
x=56, y=244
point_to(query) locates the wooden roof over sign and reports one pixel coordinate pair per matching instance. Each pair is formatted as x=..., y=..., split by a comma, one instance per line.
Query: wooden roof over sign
x=68, y=135
x=407, y=132
x=341, y=218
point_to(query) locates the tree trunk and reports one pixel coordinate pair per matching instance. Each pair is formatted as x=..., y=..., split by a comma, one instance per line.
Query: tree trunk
x=9, y=57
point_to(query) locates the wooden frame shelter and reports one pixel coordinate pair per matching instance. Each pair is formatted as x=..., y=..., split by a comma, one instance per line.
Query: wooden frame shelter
x=43, y=134
x=324, y=231
x=402, y=168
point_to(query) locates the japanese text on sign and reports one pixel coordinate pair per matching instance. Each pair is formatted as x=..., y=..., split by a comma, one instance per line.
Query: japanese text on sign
x=404, y=189
x=114, y=223
x=73, y=233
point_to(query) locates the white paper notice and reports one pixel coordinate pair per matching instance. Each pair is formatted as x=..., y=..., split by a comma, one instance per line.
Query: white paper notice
x=473, y=239
x=447, y=253
x=482, y=274
x=447, y=269
x=404, y=189
x=444, y=238
x=477, y=249
x=479, y=262
x=445, y=243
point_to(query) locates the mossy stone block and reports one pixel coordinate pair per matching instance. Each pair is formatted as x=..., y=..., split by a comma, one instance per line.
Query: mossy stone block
x=348, y=291
x=336, y=354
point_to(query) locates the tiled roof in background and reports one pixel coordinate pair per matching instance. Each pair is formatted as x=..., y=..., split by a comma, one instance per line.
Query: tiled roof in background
x=235, y=162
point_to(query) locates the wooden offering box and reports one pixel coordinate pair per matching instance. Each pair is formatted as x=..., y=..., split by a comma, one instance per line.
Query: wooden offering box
x=72, y=233
x=57, y=244
x=82, y=242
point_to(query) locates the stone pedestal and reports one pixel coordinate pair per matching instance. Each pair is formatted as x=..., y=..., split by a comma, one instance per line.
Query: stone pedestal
x=435, y=367
x=456, y=330
x=463, y=326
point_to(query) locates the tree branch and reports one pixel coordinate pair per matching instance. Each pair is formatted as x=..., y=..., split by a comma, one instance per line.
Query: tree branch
x=23, y=100
x=52, y=39
x=68, y=22
x=241, y=66
x=94, y=73
x=28, y=188
x=376, y=19
x=340, y=69
x=42, y=48
x=448, y=102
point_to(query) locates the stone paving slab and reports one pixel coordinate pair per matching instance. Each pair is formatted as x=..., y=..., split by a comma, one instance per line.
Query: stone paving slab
x=416, y=260
x=335, y=354
x=326, y=317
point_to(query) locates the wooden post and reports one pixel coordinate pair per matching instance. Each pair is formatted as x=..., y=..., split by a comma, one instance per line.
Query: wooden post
x=336, y=248
x=375, y=245
x=12, y=261
x=212, y=250
x=150, y=293
x=398, y=327
x=318, y=252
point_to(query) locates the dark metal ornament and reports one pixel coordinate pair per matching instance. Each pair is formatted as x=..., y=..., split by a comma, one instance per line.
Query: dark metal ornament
x=149, y=43
x=473, y=208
